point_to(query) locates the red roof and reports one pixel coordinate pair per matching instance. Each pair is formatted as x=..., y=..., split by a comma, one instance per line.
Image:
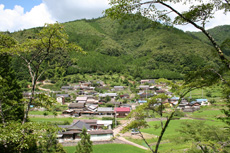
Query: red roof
x=122, y=109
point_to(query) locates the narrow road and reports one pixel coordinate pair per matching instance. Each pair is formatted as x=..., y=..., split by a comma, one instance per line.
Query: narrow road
x=117, y=131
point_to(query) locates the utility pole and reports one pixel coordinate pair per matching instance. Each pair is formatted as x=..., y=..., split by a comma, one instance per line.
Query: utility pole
x=115, y=115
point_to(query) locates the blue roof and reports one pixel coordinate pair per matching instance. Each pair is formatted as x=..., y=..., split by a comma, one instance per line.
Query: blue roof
x=193, y=102
x=177, y=98
x=200, y=100
x=142, y=101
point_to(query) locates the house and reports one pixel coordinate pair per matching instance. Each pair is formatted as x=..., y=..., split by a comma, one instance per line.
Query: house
x=190, y=108
x=76, y=87
x=112, y=95
x=68, y=112
x=87, y=84
x=146, y=95
x=160, y=91
x=203, y=102
x=101, y=135
x=143, y=87
x=148, y=81
x=81, y=99
x=74, y=109
x=61, y=98
x=169, y=94
x=104, y=124
x=91, y=101
x=125, y=96
x=107, y=111
x=142, y=101
x=76, y=105
x=144, y=81
x=72, y=132
x=92, y=108
x=122, y=111
x=118, y=88
x=126, y=105
x=66, y=88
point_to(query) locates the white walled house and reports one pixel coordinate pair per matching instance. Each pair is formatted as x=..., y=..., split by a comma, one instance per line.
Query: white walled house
x=101, y=135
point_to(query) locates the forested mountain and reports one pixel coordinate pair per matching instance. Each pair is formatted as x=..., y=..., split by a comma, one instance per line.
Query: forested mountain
x=137, y=47
x=221, y=35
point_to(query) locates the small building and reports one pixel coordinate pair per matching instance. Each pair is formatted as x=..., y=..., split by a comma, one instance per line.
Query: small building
x=160, y=91
x=142, y=101
x=73, y=131
x=91, y=101
x=144, y=81
x=124, y=96
x=122, y=111
x=203, y=102
x=61, y=98
x=101, y=135
x=107, y=111
x=76, y=106
x=81, y=99
x=66, y=88
x=112, y=95
x=118, y=88
x=104, y=124
x=143, y=87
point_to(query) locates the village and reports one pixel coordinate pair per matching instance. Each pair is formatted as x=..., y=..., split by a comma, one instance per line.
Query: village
x=84, y=101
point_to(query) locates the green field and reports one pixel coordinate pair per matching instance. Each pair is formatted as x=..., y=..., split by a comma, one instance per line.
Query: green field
x=168, y=143
x=42, y=113
x=171, y=131
x=53, y=119
x=110, y=148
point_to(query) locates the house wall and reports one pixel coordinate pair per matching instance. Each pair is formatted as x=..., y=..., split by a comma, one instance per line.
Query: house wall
x=101, y=137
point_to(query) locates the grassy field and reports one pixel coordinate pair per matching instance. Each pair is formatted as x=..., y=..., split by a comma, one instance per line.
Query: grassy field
x=171, y=131
x=53, y=119
x=42, y=113
x=110, y=148
x=207, y=114
x=168, y=143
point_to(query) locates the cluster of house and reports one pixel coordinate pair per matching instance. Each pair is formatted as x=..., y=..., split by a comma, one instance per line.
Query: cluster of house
x=99, y=130
x=88, y=105
x=186, y=106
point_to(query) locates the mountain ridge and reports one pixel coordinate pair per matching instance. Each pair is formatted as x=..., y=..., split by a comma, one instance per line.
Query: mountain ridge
x=138, y=47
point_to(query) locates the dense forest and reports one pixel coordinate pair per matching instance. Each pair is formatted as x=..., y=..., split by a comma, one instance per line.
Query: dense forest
x=137, y=47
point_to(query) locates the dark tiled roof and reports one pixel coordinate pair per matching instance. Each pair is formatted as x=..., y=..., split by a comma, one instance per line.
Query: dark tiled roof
x=101, y=132
x=78, y=105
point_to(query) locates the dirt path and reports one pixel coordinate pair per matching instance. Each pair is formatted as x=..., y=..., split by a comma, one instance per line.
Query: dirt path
x=117, y=133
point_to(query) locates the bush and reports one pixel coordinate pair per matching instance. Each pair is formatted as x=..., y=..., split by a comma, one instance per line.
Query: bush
x=45, y=113
x=178, y=114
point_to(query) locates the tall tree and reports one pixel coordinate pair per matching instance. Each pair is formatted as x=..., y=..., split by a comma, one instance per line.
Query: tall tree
x=84, y=145
x=27, y=136
x=198, y=14
x=11, y=106
x=51, y=40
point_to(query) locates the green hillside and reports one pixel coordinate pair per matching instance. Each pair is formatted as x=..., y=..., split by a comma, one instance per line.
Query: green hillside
x=137, y=47
x=220, y=33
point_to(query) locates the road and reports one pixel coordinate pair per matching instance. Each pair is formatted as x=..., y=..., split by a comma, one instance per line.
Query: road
x=117, y=133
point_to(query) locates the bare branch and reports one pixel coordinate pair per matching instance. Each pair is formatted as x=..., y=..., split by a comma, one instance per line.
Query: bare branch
x=215, y=45
x=145, y=141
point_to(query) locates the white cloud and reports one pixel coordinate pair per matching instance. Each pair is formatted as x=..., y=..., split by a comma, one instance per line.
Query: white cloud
x=17, y=19
x=50, y=11
x=67, y=10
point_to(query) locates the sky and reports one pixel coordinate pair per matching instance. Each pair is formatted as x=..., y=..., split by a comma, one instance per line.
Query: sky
x=23, y=14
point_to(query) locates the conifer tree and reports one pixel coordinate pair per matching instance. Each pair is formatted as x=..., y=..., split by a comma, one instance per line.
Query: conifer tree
x=84, y=145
